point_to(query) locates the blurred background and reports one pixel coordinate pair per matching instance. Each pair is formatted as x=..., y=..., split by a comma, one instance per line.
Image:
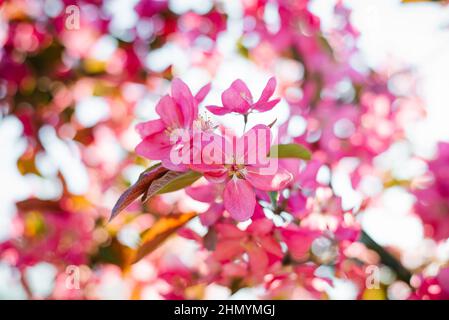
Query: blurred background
x=76, y=76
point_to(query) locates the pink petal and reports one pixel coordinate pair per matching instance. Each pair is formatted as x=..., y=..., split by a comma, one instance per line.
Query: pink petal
x=202, y=193
x=202, y=93
x=211, y=215
x=217, y=176
x=271, y=245
x=219, y=111
x=184, y=98
x=181, y=167
x=154, y=147
x=258, y=212
x=216, y=151
x=169, y=112
x=148, y=128
x=240, y=86
x=253, y=147
x=291, y=165
x=268, y=90
x=260, y=227
x=237, y=98
x=189, y=234
x=239, y=199
x=266, y=106
x=443, y=279
x=230, y=231
x=307, y=178
x=299, y=241
x=258, y=260
x=228, y=249
x=297, y=205
x=268, y=182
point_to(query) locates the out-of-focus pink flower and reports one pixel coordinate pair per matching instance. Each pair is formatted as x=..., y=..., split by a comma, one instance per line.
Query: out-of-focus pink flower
x=237, y=98
x=212, y=194
x=148, y=8
x=298, y=241
x=257, y=241
x=298, y=284
x=432, y=203
x=178, y=113
x=55, y=236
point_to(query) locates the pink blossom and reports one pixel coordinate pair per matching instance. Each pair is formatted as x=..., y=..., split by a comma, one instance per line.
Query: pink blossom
x=432, y=203
x=298, y=241
x=178, y=113
x=232, y=165
x=432, y=288
x=212, y=194
x=237, y=98
x=257, y=241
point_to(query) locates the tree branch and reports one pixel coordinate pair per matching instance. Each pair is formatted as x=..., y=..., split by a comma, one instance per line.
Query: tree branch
x=387, y=258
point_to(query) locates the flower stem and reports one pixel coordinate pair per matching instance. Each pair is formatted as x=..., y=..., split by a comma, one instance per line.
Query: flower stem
x=245, y=121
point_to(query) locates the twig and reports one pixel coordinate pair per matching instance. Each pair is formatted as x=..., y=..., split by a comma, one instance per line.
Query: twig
x=387, y=258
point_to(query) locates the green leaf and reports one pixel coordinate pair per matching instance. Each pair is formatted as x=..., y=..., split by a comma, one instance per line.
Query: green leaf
x=274, y=197
x=290, y=150
x=171, y=181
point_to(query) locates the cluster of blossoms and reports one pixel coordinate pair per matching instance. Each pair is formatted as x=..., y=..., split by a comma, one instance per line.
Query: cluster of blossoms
x=241, y=163
x=258, y=209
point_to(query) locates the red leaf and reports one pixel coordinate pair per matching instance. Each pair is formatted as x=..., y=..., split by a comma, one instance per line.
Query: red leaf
x=138, y=188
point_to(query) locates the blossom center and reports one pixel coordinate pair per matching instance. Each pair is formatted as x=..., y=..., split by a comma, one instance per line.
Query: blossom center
x=236, y=170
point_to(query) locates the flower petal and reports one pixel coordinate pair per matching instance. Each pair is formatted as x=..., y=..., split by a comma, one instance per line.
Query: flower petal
x=239, y=199
x=219, y=111
x=240, y=87
x=230, y=231
x=154, y=147
x=266, y=181
x=266, y=106
x=184, y=98
x=271, y=245
x=228, y=249
x=218, y=176
x=299, y=241
x=169, y=112
x=211, y=215
x=237, y=98
x=268, y=90
x=258, y=260
x=148, y=128
x=253, y=147
x=202, y=93
x=202, y=193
